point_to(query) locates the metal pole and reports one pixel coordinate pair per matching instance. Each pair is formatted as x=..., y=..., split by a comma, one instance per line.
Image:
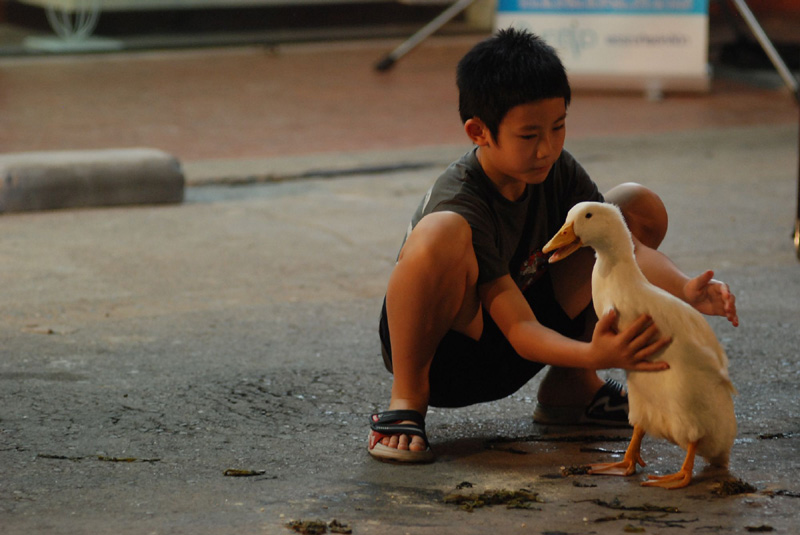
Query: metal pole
x=426, y=31
x=797, y=215
x=766, y=44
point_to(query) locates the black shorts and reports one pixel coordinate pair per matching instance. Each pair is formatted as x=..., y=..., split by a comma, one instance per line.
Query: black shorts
x=466, y=371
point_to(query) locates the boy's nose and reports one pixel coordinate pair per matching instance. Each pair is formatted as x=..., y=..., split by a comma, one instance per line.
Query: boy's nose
x=544, y=147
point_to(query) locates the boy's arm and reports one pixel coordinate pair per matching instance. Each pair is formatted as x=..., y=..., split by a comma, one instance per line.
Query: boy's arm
x=628, y=349
x=707, y=295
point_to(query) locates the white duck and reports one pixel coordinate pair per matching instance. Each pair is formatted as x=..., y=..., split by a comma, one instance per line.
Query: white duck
x=689, y=404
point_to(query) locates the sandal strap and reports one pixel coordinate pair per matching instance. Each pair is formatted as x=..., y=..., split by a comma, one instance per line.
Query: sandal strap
x=399, y=415
x=387, y=423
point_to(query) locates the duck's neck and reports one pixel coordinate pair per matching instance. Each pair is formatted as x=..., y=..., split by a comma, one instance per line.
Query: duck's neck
x=616, y=258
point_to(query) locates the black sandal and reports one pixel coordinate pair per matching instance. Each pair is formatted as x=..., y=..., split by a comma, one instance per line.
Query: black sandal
x=387, y=424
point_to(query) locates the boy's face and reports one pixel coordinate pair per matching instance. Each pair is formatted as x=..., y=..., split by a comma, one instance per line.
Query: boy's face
x=529, y=141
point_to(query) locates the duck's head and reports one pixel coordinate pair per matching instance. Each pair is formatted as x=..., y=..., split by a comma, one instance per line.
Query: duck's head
x=592, y=224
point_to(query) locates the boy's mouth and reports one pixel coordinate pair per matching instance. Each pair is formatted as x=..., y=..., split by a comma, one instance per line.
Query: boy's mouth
x=542, y=168
x=539, y=172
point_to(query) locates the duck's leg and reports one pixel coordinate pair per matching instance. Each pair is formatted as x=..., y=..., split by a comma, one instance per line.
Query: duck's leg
x=627, y=466
x=678, y=479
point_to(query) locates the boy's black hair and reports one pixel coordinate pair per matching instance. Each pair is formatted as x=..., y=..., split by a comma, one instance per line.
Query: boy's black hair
x=510, y=68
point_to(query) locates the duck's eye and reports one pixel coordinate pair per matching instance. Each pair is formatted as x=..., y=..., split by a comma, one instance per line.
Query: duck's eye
x=589, y=215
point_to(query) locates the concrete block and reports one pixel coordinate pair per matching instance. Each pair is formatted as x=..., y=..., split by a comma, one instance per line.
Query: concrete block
x=77, y=179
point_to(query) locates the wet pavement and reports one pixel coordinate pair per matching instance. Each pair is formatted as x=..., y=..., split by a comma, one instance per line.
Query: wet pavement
x=149, y=353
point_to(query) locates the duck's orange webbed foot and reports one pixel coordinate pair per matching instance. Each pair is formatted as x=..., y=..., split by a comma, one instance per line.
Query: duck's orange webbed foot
x=679, y=479
x=627, y=466
x=623, y=468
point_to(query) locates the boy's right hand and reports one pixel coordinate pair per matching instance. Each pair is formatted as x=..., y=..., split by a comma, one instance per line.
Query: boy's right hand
x=630, y=348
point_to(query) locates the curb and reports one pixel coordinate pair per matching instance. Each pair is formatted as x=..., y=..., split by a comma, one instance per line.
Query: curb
x=52, y=180
x=77, y=179
x=234, y=172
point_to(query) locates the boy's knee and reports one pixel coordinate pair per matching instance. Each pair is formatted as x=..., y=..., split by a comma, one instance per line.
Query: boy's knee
x=440, y=237
x=644, y=212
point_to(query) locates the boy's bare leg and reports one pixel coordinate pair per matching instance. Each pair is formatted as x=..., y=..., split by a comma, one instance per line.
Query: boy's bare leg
x=644, y=212
x=572, y=387
x=647, y=219
x=431, y=290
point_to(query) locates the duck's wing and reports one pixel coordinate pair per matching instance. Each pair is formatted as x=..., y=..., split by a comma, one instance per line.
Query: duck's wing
x=690, y=329
x=677, y=319
x=697, y=330
x=631, y=297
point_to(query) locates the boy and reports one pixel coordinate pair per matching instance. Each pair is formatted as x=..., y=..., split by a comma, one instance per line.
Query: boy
x=472, y=310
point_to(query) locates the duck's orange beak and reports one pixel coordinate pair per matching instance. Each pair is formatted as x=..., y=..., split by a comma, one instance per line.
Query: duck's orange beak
x=564, y=243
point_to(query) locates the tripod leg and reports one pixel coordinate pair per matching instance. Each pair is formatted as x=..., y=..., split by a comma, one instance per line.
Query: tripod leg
x=426, y=31
x=766, y=44
x=797, y=215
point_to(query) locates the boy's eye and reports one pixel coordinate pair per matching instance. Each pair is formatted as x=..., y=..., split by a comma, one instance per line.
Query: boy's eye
x=528, y=136
x=559, y=127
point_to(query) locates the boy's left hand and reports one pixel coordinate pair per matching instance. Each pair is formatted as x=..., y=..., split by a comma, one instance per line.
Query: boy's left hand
x=711, y=297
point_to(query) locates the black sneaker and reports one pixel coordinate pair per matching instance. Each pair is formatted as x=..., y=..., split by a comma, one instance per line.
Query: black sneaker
x=608, y=408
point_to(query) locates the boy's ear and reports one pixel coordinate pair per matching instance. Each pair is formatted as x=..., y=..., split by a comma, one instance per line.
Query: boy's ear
x=477, y=132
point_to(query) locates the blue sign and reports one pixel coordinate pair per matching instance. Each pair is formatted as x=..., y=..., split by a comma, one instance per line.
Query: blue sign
x=602, y=7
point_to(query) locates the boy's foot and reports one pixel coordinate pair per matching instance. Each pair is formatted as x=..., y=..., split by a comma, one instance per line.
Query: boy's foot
x=394, y=423
x=609, y=408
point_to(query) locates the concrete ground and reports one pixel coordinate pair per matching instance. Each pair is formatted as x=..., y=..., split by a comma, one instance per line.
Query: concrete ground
x=148, y=352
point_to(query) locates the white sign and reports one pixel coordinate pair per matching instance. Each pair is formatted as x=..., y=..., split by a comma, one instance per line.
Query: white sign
x=650, y=44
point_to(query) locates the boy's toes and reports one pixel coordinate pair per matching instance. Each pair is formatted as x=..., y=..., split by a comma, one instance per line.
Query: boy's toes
x=401, y=442
x=411, y=443
x=391, y=440
x=417, y=444
x=404, y=442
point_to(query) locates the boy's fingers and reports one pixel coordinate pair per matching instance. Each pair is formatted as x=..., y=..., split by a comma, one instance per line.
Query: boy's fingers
x=702, y=280
x=634, y=328
x=644, y=340
x=637, y=328
x=607, y=320
x=645, y=337
x=647, y=343
x=729, y=301
x=653, y=348
x=650, y=366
